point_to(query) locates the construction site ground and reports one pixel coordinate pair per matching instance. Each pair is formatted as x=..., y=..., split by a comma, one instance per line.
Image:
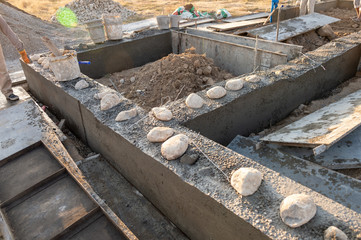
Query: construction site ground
x=144, y=85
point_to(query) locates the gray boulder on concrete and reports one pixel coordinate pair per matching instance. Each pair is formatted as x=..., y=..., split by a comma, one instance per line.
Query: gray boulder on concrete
x=216, y=92
x=189, y=159
x=246, y=180
x=126, y=115
x=234, y=84
x=81, y=85
x=297, y=210
x=333, y=233
x=159, y=134
x=175, y=147
x=162, y=113
x=194, y=101
x=108, y=101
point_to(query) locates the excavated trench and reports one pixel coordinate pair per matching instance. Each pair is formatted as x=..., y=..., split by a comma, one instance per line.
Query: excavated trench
x=199, y=198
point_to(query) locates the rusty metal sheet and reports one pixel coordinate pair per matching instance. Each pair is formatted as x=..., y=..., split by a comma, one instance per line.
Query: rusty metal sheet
x=323, y=127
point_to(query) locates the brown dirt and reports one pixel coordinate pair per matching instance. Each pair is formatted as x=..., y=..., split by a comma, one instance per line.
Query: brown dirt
x=310, y=41
x=167, y=79
x=346, y=26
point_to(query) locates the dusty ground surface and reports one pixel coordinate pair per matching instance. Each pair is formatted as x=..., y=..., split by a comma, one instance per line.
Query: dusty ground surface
x=346, y=25
x=167, y=79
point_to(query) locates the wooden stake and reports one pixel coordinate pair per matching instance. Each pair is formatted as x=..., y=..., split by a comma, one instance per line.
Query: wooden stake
x=51, y=46
x=278, y=23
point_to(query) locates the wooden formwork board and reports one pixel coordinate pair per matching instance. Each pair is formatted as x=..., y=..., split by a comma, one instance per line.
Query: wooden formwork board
x=323, y=128
x=292, y=27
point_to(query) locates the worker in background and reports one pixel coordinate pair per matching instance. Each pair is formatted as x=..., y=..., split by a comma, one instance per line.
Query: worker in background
x=274, y=6
x=357, y=5
x=310, y=6
x=5, y=82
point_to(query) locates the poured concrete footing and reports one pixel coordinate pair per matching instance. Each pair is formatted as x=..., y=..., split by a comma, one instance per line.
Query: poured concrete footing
x=199, y=198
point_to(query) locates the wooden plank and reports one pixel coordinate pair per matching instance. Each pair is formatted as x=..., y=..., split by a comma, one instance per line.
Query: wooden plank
x=246, y=17
x=293, y=27
x=196, y=22
x=50, y=211
x=39, y=164
x=323, y=127
x=230, y=26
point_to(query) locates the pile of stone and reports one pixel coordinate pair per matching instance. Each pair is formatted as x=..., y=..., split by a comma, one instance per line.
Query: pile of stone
x=87, y=10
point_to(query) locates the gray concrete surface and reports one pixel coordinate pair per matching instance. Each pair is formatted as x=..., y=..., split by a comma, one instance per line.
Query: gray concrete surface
x=292, y=51
x=236, y=59
x=199, y=198
x=283, y=89
x=115, y=56
x=292, y=27
x=338, y=187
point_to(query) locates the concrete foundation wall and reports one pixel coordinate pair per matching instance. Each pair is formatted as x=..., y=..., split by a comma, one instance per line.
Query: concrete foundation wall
x=121, y=55
x=292, y=51
x=234, y=58
x=252, y=112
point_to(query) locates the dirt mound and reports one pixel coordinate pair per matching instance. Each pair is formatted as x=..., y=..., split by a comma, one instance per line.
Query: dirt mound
x=347, y=25
x=86, y=10
x=31, y=33
x=167, y=79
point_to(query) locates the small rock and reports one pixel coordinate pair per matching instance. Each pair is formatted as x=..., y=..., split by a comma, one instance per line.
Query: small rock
x=126, y=115
x=185, y=66
x=207, y=70
x=216, y=92
x=253, y=78
x=194, y=101
x=122, y=81
x=45, y=63
x=199, y=71
x=100, y=95
x=197, y=63
x=354, y=25
x=162, y=113
x=234, y=84
x=132, y=79
x=81, y=85
x=297, y=210
x=189, y=159
x=159, y=134
x=208, y=81
x=175, y=147
x=333, y=233
x=246, y=180
x=35, y=57
x=326, y=31
x=108, y=101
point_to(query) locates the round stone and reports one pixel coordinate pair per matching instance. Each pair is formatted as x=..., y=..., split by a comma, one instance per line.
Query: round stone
x=162, y=113
x=216, y=92
x=100, y=95
x=234, y=84
x=108, y=101
x=246, y=180
x=194, y=101
x=253, y=78
x=175, y=147
x=333, y=233
x=159, y=134
x=297, y=210
x=126, y=115
x=81, y=85
x=35, y=57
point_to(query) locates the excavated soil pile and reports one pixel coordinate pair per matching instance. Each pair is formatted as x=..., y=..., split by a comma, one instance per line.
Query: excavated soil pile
x=167, y=79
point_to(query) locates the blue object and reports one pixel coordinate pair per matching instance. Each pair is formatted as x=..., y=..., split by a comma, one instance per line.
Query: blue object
x=84, y=62
x=274, y=6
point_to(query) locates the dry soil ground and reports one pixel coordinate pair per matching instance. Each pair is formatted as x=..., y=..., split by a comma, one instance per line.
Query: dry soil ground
x=44, y=9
